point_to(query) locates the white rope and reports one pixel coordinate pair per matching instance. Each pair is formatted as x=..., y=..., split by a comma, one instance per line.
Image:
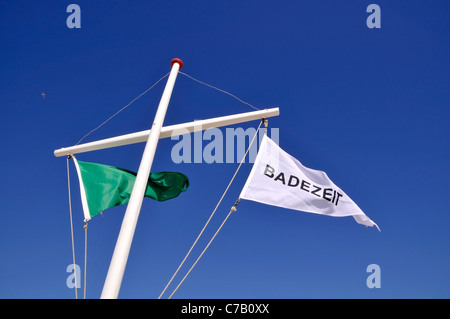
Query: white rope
x=123, y=108
x=85, y=257
x=223, y=91
x=71, y=228
x=151, y=87
x=233, y=209
x=207, y=222
x=73, y=242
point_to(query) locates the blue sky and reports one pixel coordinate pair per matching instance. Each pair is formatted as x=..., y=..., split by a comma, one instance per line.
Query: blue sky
x=367, y=106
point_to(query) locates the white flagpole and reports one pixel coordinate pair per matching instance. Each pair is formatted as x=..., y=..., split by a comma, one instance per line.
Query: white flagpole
x=119, y=259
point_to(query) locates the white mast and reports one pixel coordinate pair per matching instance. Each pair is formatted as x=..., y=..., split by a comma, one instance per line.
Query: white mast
x=119, y=259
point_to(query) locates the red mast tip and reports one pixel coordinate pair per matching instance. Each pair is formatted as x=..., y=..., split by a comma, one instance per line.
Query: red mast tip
x=177, y=61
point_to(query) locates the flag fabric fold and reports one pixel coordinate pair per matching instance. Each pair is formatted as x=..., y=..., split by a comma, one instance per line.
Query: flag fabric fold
x=279, y=179
x=103, y=186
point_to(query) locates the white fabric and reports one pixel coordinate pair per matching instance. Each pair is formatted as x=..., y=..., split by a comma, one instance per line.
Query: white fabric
x=279, y=179
x=84, y=202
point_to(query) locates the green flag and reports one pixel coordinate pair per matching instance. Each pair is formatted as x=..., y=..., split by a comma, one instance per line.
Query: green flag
x=104, y=186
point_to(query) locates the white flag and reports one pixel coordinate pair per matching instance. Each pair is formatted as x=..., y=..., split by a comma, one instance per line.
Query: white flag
x=279, y=179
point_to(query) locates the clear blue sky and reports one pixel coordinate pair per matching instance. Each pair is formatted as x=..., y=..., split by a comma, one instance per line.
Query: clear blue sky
x=370, y=107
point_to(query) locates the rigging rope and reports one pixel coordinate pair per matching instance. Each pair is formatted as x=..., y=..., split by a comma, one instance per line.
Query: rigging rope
x=223, y=91
x=123, y=108
x=71, y=227
x=85, y=256
x=233, y=209
x=151, y=87
x=73, y=242
x=209, y=219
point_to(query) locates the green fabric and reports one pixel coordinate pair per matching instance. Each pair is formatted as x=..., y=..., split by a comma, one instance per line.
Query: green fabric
x=108, y=186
